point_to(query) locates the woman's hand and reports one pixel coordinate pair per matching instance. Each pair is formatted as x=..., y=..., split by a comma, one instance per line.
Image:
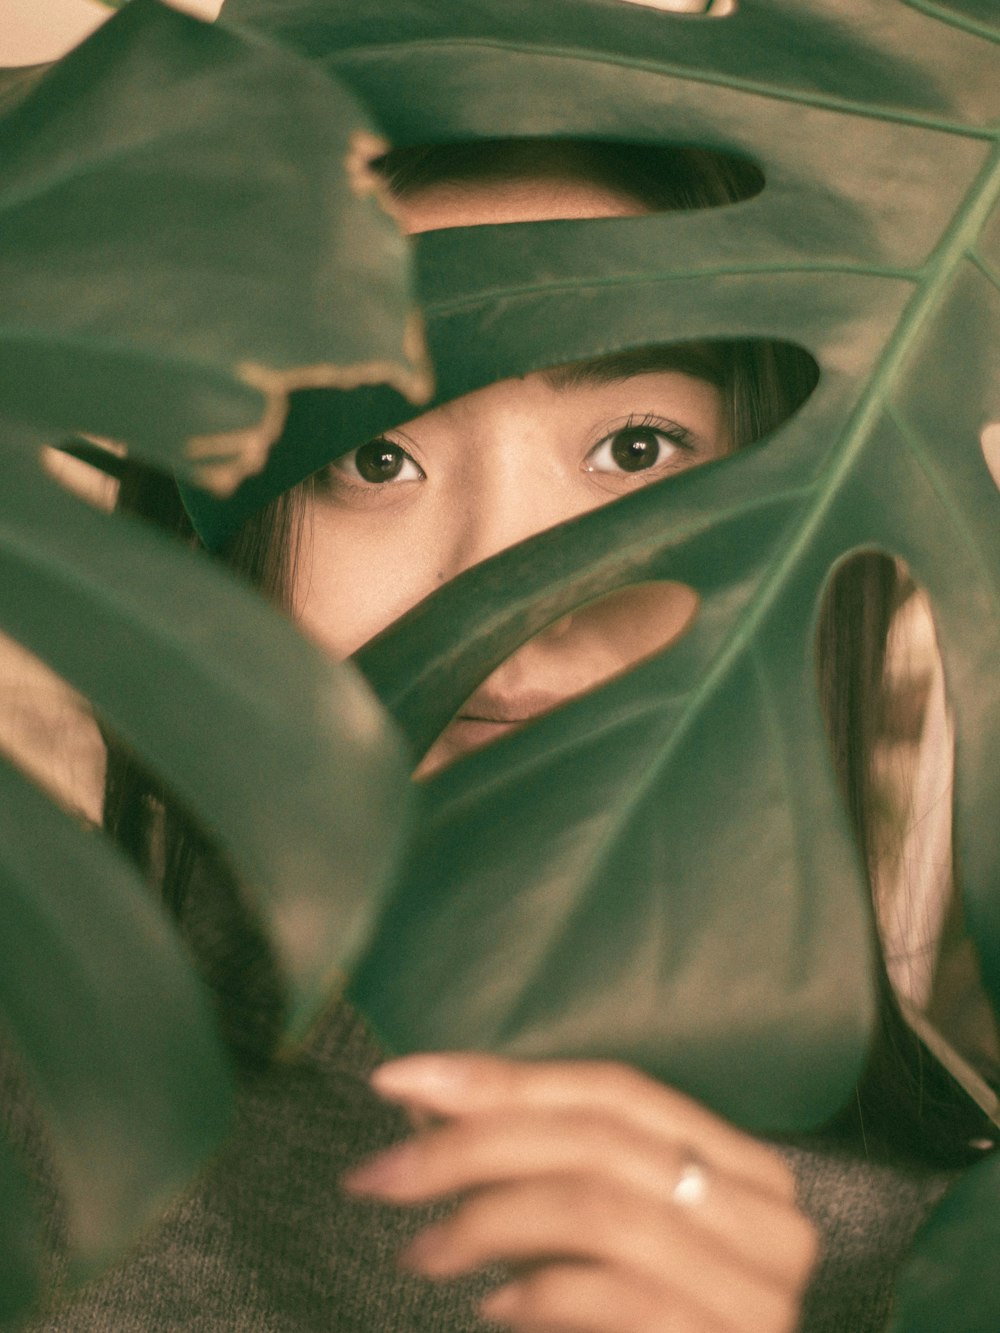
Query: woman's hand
x=619, y=1205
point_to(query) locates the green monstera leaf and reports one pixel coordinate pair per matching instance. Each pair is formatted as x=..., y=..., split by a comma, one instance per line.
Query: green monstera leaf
x=185, y=217
x=947, y=1281
x=662, y=871
x=111, y=1027
x=170, y=168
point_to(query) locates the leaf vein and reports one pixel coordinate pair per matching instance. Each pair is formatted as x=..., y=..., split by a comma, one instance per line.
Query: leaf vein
x=985, y=268
x=726, y=81
x=627, y=280
x=953, y=20
x=954, y=245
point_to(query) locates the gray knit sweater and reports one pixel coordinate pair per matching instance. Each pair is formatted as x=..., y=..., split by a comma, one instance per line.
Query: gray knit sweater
x=264, y=1240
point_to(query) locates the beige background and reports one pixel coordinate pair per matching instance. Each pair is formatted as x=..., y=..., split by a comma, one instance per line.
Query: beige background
x=33, y=31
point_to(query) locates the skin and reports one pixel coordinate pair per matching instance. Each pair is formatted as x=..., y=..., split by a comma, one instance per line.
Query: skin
x=565, y=1171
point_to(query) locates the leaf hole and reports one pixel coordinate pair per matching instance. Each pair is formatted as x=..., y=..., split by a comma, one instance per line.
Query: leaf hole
x=889, y=721
x=47, y=730
x=571, y=657
x=89, y=467
x=522, y=180
x=703, y=9
x=989, y=439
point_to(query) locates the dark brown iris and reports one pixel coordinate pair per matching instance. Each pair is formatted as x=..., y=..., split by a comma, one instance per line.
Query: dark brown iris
x=379, y=460
x=635, y=448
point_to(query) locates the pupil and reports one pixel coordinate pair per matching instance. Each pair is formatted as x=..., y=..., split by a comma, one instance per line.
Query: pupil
x=635, y=448
x=379, y=460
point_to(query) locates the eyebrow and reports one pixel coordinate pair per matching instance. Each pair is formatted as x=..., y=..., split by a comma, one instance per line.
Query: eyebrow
x=704, y=360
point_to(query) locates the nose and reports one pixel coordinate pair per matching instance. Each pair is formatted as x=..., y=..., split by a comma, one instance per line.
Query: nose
x=515, y=488
x=502, y=507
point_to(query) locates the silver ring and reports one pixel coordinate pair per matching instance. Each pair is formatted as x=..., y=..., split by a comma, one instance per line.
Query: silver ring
x=691, y=1184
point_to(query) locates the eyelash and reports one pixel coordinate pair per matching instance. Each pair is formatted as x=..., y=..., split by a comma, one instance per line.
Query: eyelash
x=676, y=435
x=345, y=470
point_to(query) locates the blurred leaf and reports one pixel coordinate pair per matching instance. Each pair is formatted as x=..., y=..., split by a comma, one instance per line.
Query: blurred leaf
x=19, y=1232
x=17, y=83
x=252, y=728
x=184, y=221
x=289, y=767
x=235, y=153
x=949, y=1279
x=663, y=872
x=108, y=1020
x=185, y=217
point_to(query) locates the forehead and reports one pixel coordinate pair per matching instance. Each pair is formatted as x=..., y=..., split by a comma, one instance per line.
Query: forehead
x=705, y=362
x=551, y=410
x=468, y=346
x=541, y=197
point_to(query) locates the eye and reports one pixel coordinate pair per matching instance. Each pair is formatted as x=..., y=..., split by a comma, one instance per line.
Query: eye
x=637, y=447
x=378, y=461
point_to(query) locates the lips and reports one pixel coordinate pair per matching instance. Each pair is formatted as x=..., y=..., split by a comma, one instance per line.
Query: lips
x=485, y=718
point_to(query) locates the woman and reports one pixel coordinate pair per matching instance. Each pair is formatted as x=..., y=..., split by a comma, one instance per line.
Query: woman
x=526, y=454
x=615, y=1203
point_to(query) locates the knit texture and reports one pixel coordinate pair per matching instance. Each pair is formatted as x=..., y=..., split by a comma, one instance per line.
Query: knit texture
x=264, y=1241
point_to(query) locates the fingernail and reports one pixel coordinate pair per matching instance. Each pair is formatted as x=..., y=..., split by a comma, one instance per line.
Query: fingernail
x=415, y=1074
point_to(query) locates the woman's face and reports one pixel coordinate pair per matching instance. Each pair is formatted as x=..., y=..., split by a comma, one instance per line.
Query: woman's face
x=392, y=521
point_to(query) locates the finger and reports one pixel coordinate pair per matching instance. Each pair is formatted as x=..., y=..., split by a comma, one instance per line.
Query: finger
x=463, y=1084
x=473, y=1152
x=581, y=1298
x=563, y=1217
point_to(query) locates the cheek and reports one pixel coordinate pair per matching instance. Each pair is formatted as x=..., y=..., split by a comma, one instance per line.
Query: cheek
x=640, y=621
x=353, y=579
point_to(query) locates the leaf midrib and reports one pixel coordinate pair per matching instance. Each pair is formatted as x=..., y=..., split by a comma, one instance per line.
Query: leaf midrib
x=498, y=621
x=955, y=244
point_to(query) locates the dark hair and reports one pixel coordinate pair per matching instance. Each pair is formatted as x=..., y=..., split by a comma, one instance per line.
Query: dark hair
x=906, y=1101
